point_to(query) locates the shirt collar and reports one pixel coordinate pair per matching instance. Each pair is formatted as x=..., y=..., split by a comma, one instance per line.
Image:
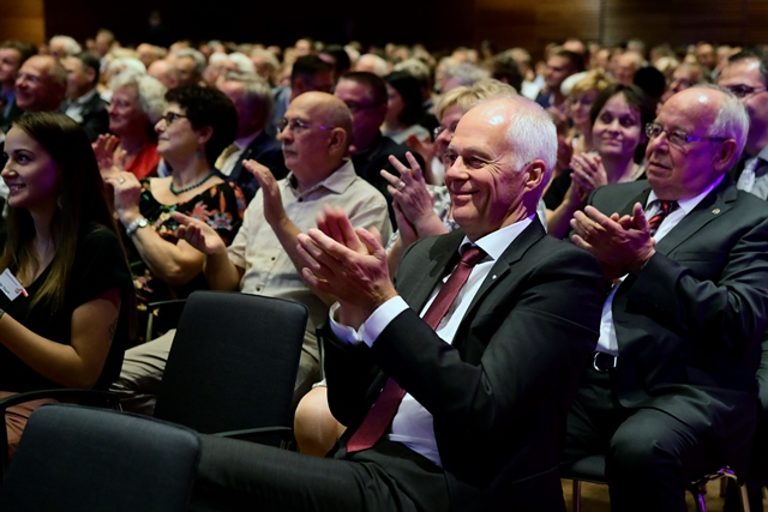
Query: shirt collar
x=687, y=205
x=336, y=182
x=494, y=244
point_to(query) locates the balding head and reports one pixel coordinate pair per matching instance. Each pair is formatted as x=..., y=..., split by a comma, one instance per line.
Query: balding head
x=315, y=136
x=701, y=132
x=41, y=84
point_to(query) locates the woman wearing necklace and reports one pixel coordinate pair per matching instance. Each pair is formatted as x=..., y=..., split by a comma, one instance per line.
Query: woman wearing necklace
x=198, y=123
x=618, y=116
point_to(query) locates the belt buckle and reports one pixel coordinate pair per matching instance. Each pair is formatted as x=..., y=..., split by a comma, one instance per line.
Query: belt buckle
x=599, y=358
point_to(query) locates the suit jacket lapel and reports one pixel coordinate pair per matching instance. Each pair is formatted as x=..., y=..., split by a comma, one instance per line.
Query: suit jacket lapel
x=713, y=205
x=514, y=252
x=443, y=257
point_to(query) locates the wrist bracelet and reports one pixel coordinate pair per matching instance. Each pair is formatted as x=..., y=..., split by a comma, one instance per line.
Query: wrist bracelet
x=135, y=225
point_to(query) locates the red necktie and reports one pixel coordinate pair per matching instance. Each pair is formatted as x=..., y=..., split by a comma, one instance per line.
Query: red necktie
x=665, y=207
x=383, y=410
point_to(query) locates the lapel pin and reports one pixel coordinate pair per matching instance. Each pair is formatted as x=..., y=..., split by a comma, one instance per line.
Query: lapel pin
x=716, y=211
x=493, y=276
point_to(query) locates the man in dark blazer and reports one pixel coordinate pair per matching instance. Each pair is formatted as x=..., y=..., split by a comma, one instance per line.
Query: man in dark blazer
x=487, y=390
x=84, y=103
x=671, y=394
x=253, y=101
x=366, y=96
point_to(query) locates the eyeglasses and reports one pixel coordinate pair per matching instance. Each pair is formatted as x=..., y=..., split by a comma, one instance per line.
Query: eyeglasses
x=170, y=117
x=742, y=91
x=296, y=125
x=440, y=129
x=677, y=137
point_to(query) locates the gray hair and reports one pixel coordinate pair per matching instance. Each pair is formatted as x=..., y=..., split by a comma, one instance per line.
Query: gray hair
x=732, y=120
x=196, y=56
x=149, y=90
x=531, y=133
x=256, y=90
x=122, y=64
x=243, y=63
x=70, y=46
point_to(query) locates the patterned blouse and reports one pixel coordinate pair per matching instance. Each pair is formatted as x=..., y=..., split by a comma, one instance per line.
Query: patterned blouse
x=221, y=206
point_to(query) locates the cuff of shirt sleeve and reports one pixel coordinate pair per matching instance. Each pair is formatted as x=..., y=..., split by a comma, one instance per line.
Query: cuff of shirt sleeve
x=344, y=333
x=380, y=319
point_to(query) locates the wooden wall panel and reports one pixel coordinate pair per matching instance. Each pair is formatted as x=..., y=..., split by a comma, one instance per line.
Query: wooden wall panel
x=533, y=24
x=440, y=24
x=22, y=19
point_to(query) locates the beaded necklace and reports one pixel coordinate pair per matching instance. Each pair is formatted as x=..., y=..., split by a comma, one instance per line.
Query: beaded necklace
x=178, y=191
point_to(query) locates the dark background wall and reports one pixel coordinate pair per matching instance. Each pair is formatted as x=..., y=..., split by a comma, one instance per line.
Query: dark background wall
x=436, y=23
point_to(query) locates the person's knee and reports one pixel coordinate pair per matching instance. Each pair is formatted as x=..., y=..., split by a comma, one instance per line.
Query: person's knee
x=315, y=428
x=640, y=454
x=144, y=365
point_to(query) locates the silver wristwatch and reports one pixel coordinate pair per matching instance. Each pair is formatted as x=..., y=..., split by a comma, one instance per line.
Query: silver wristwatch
x=135, y=225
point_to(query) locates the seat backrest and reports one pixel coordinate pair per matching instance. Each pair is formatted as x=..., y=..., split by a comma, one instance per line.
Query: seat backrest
x=233, y=363
x=74, y=458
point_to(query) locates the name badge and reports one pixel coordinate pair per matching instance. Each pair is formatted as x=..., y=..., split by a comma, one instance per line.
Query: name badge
x=11, y=286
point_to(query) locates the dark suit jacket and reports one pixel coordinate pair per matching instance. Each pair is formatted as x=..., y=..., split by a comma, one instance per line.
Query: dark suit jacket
x=95, y=117
x=266, y=150
x=500, y=394
x=689, y=324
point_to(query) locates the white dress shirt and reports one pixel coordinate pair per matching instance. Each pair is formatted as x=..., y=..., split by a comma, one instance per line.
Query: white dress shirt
x=608, y=341
x=412, y=425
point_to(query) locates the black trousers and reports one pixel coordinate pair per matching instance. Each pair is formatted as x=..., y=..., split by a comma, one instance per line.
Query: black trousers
x=237, y=475
x=651, y=455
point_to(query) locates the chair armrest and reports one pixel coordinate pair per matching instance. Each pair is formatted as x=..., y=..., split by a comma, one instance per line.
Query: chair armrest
x=273, y=436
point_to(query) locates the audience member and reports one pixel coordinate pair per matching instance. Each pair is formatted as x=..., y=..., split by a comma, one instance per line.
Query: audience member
x=365, y=94
x=263, y=257
x=137, y=104
x=66, y=319
x=618, y=116
x=560, y=65
x=253, y=101
x=83, y=103
x=61, y=46
x=308, y=73
x=746, y=76
x=671, y=393
x=484, y=373
x=41, y=84
x=580, y=100
x=12, y=55
x=198, y=123
x=405, y=108
x=684, y=76
x=165, y=72
x=190, y=65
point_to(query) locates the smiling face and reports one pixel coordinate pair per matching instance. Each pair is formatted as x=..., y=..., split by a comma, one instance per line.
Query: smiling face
x=618, y=128
x=31, y=174
x=683, y=171
x=125, y=114
x=10, y=61
x=579, y=106
x=486, y=190
x=176, y=138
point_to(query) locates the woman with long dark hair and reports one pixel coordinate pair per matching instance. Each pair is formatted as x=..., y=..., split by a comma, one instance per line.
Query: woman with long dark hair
x=65, y=288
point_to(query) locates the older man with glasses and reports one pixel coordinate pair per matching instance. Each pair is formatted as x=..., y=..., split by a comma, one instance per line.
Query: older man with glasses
x=671, y=393
x=746, y=76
